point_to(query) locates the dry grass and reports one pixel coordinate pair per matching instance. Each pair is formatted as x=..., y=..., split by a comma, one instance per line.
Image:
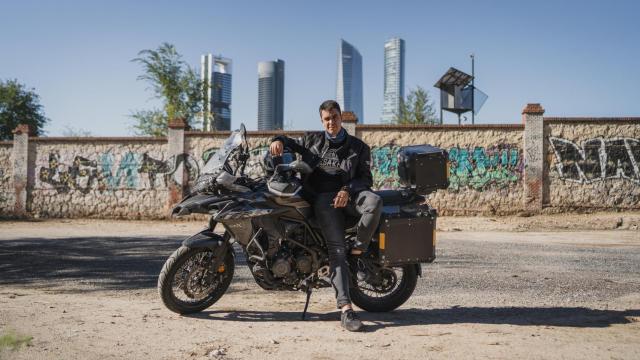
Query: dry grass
x=10, y=340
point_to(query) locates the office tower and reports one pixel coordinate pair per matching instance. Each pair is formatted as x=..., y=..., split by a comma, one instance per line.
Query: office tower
x=270, y=95
x=216, y=72
x=393, y=78
x=349, y=84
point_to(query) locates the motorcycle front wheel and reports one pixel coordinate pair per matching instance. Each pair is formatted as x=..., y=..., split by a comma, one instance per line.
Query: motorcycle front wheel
x=189, y=284
x=386, y=291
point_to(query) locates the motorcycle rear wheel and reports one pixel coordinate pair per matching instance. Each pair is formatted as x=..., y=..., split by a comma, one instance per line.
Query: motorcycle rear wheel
x=187, y=274
x=384, y=298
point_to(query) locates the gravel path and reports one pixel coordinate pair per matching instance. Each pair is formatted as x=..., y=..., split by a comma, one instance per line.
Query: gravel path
x=86, y=289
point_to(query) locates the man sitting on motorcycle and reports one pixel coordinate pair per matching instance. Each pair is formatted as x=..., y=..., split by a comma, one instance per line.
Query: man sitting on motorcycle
x=339, y=184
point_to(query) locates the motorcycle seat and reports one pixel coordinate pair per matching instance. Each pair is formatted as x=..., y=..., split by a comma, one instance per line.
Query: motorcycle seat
x=398, y=197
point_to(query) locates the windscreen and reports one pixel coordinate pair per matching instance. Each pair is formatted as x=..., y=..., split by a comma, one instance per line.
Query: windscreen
x=217, y=160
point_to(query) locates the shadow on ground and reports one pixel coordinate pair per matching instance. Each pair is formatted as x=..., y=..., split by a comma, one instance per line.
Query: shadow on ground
x=525, y=316
x=102, y=263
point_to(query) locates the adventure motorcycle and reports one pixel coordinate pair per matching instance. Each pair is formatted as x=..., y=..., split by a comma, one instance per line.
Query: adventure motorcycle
x=282, y=244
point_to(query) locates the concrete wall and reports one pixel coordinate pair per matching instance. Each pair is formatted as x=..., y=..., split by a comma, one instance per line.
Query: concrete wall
x=579, y=164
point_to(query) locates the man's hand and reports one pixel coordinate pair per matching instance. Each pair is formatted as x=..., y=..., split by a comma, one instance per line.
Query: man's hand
x=277, y=148
x=341, y=199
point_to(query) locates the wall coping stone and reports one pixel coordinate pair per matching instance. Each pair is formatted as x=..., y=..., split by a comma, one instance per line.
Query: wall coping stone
x=249, y=133
x=349, y=117
x=533, y=108
x=591, y=119
x=21, y=129
x=177, y=123
x=98, y=139
x=439, y=127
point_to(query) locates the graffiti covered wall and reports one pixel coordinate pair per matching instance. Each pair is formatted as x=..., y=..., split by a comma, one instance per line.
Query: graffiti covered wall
x=7, y=192
x=587, y=165
x=124, y=179
x=486, y=164
x=593, y=164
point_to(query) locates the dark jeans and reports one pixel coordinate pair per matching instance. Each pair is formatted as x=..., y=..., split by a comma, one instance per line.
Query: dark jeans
x=332, y=221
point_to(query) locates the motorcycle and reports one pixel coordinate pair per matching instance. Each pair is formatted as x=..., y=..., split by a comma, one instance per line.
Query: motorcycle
x=283, y=246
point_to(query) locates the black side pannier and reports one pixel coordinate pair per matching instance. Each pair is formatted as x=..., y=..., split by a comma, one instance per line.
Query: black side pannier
x=424, y=168
x=407, y=236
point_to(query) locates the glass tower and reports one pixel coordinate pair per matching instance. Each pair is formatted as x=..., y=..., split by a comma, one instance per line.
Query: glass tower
x=270, y=95
x=349, y=84
x=216, y=71
x=393, y=78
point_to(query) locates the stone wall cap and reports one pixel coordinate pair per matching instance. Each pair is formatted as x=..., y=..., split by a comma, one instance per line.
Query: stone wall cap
x=83, y=139
x=533, y=109
x=437, y=127
x=249, y=132
x=349, y=117
x=592, y=119
x=177, y=123
x=21, y=129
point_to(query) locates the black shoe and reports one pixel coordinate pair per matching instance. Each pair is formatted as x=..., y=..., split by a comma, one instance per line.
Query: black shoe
x=349, y=320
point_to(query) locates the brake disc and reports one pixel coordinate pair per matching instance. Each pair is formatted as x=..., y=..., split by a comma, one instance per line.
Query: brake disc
x=199, y=283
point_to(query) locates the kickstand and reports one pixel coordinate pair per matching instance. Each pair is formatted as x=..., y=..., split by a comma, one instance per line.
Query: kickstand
x=306, y=304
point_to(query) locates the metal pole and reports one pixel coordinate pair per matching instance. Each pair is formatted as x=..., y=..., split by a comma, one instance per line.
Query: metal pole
x=473, y=89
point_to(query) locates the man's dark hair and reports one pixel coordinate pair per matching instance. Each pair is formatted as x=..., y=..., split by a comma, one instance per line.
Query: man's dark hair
x=330, y=105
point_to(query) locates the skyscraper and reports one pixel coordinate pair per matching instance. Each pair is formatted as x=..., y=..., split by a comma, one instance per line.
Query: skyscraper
x=270, y=95
x=393, y=78
x=349, y=84
x=216, y=71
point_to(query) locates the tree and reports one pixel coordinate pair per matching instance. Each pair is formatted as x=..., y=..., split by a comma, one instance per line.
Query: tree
x=175, y=83
x=418, y=108
x=19, y=105
x=70, y=131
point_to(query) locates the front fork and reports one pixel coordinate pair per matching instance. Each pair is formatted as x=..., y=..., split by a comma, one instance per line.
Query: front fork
x=210, y=240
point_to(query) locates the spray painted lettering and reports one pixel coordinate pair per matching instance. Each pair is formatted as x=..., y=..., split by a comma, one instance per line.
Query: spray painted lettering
x=111, y=172
x=598, y=159
x=81, y=175
x=126, y=174
x=172, y=169
x=384, y=167
x=475, y=168
x=480, y=168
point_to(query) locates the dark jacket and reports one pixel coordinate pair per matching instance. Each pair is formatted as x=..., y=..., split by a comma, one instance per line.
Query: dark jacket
x=354, y=156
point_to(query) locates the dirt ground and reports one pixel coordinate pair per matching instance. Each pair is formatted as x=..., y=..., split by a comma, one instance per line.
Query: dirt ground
x=549, y=286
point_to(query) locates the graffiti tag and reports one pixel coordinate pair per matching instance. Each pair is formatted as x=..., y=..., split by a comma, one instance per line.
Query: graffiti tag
x=597, y=159
x=80, y=175
x=480, y=168
x=475, y=168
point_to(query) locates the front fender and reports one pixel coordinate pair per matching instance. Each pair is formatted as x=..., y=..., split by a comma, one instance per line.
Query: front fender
x=204, y=239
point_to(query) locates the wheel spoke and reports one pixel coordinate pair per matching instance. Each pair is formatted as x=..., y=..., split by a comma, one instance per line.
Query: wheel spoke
x=391, y=279
x=194, y=281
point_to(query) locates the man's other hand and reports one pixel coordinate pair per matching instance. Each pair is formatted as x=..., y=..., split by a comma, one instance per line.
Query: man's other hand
x=276, y=148
x=341, y=199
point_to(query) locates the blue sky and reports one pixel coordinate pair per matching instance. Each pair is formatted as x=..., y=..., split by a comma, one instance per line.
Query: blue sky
x=578, y=58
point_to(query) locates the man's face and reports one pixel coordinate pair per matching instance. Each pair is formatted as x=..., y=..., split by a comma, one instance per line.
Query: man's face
x=332, y=121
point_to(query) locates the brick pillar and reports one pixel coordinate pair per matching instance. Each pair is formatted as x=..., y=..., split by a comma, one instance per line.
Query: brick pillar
x=20, y=168
x=178, y=182
x=533, y=157
x=349, y=121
